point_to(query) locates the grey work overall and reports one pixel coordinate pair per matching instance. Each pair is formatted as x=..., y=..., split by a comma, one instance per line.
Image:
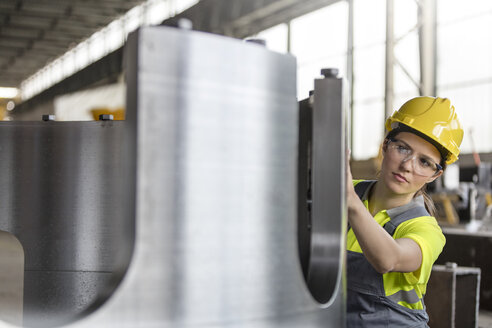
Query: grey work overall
x=367, y=303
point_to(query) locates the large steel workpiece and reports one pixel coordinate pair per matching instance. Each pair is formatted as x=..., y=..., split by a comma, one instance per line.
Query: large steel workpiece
x=215, y=216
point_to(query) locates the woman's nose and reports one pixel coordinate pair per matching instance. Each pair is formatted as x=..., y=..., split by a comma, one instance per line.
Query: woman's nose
x=407, y=164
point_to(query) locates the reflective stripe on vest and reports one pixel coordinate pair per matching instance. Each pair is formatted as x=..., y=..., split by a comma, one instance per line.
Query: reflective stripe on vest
x=408, y=296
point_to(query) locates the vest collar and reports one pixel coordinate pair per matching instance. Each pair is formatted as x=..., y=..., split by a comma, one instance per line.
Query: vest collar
x=415, y=202
x=392, y=212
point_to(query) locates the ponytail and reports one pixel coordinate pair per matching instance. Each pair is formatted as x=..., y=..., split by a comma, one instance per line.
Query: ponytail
x=428, y=202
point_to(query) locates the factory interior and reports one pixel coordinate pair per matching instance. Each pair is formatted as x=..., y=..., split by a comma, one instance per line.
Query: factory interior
x=182, y=163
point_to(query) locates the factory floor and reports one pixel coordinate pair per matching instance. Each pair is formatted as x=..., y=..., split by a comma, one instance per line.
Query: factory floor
x=484, y=319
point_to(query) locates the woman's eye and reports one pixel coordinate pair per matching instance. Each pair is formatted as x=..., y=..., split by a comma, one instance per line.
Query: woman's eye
x=402, y=149
x=424, y=162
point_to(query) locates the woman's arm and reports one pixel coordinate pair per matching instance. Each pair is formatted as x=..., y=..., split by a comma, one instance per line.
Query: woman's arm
x=383, y=252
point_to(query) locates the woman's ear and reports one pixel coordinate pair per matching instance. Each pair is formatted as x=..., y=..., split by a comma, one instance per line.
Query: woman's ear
x=384, y=147
x=434, y=177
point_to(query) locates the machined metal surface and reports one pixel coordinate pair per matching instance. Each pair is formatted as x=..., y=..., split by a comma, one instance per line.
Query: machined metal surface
x=215, y=122
x=329, y=172
x=216, y=196
x=322, y=217
x=65, y=197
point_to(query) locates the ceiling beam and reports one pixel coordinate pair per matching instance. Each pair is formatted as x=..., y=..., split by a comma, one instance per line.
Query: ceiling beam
x=107, y=68
x=235, y=18
x=245, y=18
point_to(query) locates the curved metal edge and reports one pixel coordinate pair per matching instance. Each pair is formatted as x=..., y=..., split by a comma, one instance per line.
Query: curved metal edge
x=11, y=279
x=328, y=207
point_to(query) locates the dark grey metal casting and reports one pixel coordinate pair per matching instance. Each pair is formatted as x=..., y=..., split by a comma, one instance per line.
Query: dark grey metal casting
x=66, y=195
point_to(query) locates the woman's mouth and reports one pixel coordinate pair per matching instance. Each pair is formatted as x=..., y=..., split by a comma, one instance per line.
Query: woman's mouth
x=399, y=177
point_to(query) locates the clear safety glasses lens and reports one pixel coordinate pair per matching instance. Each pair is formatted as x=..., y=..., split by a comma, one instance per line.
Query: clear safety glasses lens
x=421, y=166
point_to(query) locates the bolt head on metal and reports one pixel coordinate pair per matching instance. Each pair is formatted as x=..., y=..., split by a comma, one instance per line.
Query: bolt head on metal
x=181, y=23
x=329, y=72
x=185, y=24
x=47, y=117
x=261, y=42
x=106, y=117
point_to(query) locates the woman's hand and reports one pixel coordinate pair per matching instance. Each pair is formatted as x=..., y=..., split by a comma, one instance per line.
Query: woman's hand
x=349, y=187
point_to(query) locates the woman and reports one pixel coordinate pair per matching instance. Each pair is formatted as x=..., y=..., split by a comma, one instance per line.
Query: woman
x=392, y=240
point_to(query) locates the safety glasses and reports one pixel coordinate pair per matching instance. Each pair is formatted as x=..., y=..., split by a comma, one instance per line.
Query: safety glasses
x=422, y=164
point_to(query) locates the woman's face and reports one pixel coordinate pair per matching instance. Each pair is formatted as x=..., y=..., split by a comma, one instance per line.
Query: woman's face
x=406, y=164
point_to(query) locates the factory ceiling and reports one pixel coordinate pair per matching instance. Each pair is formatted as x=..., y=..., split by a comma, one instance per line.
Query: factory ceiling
x=35, y=32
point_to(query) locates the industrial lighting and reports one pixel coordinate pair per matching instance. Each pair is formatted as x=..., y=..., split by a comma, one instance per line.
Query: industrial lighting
x=110, y=37
x=8, y=92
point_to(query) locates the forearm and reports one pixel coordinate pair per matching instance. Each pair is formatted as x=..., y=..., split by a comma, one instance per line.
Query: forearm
x=380, y=249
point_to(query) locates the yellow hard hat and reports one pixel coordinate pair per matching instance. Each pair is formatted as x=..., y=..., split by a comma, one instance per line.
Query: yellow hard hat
x=435, y=118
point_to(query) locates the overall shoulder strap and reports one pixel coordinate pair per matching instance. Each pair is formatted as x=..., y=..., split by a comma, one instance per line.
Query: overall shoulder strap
x=361, y=187
x=405, y=213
